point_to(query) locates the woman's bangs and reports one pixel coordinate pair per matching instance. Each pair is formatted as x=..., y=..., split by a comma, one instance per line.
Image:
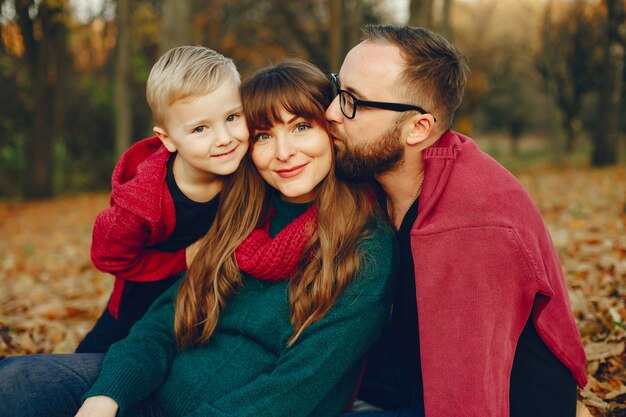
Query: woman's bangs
x=263, y=107
x=303, y=104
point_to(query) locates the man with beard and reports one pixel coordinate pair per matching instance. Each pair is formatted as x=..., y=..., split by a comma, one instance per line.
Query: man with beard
x=481, y=324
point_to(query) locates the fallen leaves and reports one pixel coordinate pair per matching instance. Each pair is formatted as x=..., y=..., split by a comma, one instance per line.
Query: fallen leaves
x=50, y=295
x=585, y=212
x=602, y=351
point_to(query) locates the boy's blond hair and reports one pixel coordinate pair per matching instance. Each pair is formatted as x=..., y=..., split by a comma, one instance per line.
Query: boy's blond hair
x=186, y=71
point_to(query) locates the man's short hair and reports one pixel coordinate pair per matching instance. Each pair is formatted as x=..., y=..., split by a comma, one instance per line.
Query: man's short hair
x=186, y=71
x=436, y=71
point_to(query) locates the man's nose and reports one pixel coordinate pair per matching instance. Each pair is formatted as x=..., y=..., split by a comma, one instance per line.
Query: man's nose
x=333, y=112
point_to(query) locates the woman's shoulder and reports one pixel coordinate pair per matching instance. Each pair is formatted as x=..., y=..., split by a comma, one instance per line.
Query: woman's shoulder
x=378, y=238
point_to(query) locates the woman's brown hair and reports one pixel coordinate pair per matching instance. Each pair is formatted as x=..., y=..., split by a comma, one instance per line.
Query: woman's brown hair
x=344, y=212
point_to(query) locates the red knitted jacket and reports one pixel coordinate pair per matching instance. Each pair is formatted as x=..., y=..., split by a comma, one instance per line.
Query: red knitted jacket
x=141, y=215
x=484, y=264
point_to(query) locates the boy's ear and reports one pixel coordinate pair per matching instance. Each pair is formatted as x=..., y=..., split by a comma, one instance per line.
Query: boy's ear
x=165, y=138
x=421, y=125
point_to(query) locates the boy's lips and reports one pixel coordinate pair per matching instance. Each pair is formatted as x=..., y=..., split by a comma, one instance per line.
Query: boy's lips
x=291, y=172
x=225, y=153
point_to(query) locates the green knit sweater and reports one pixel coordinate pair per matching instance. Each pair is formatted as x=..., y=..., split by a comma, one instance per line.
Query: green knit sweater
x=246, y=369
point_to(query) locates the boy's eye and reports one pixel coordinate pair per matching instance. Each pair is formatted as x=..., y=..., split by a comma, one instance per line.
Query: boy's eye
x=199, y=129
x=232, y=117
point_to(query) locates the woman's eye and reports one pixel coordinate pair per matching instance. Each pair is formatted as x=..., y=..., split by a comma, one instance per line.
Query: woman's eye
x=302, y=127
x=262, y=136
x=232, y=118
x=199, y=129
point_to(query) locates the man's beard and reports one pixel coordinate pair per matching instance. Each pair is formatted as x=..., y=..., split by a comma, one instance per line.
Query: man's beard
x=367, y=160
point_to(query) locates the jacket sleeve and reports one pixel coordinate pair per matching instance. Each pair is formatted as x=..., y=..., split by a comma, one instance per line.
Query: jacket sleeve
x=119, y=248
x=138, y=365
x=325, y=353
x=475, y=294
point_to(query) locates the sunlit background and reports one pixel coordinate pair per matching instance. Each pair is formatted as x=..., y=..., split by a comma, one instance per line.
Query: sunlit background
x=73, y=72
x=546, y=98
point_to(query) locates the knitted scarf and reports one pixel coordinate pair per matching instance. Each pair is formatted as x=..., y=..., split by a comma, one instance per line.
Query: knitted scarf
x=275, y=259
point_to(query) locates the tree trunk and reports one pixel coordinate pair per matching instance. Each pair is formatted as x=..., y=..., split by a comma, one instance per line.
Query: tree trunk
x=177, y=23
x=316, y=44
x=548, y=72
x=42, y=35
x=336, y=35
x=445, y=27
x=123, y=107
x=355, y=15
x=421, y=13
x=39, y=182
x=606, y=138
x=570, y=137
x=64, y=69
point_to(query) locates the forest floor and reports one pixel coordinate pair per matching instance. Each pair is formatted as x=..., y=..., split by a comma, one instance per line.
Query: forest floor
x=50, y=294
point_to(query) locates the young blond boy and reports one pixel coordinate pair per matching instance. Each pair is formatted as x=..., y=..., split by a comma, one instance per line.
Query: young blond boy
x=165, y=189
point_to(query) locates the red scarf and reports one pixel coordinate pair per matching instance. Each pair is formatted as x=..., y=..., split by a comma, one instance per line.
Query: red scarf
x=275, y=259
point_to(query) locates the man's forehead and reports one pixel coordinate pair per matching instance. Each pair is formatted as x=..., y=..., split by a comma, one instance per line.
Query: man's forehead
x=371, y=60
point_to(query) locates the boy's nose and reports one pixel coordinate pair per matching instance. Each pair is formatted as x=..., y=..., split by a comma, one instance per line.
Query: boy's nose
x=223, y=136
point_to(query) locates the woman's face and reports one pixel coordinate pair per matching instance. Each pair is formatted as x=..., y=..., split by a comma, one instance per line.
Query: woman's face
x=293, y=156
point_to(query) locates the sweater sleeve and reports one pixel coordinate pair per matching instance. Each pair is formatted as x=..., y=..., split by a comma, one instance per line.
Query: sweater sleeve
x=119, y=248
x=326, y=351
x=138, y=365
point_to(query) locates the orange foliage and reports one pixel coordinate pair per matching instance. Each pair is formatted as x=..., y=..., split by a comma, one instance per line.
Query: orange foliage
x=50, y=295
x=12, y=39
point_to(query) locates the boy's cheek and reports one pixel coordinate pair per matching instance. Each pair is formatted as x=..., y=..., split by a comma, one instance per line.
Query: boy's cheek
x=245, y=134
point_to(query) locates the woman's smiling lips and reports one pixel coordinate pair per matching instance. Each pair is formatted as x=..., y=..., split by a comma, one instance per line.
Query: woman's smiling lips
x=291, y=172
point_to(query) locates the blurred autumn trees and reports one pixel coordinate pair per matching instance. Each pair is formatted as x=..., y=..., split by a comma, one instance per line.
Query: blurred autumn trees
x=122, y=94
x=582, y=60
x=422, y=13
x=570, y=61
x=44, y=50
x=607, y=133
x=72, y=73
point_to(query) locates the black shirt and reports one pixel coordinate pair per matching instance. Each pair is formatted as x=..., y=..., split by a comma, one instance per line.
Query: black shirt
x=404, y=313
x=193, y=219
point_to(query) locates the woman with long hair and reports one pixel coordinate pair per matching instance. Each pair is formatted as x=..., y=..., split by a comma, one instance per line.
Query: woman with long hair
x=289, y=288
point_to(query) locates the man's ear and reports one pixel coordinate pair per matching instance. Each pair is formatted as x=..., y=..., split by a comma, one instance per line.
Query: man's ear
x=165, y=138
x=421, y=126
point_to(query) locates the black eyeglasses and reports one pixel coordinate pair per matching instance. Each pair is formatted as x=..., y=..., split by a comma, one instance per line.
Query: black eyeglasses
x=348, y=103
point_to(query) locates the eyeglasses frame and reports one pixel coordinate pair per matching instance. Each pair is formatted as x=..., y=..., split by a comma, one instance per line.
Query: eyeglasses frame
x=398, y=107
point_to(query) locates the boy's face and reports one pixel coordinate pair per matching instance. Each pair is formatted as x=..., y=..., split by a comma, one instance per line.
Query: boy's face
x=209, y=132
